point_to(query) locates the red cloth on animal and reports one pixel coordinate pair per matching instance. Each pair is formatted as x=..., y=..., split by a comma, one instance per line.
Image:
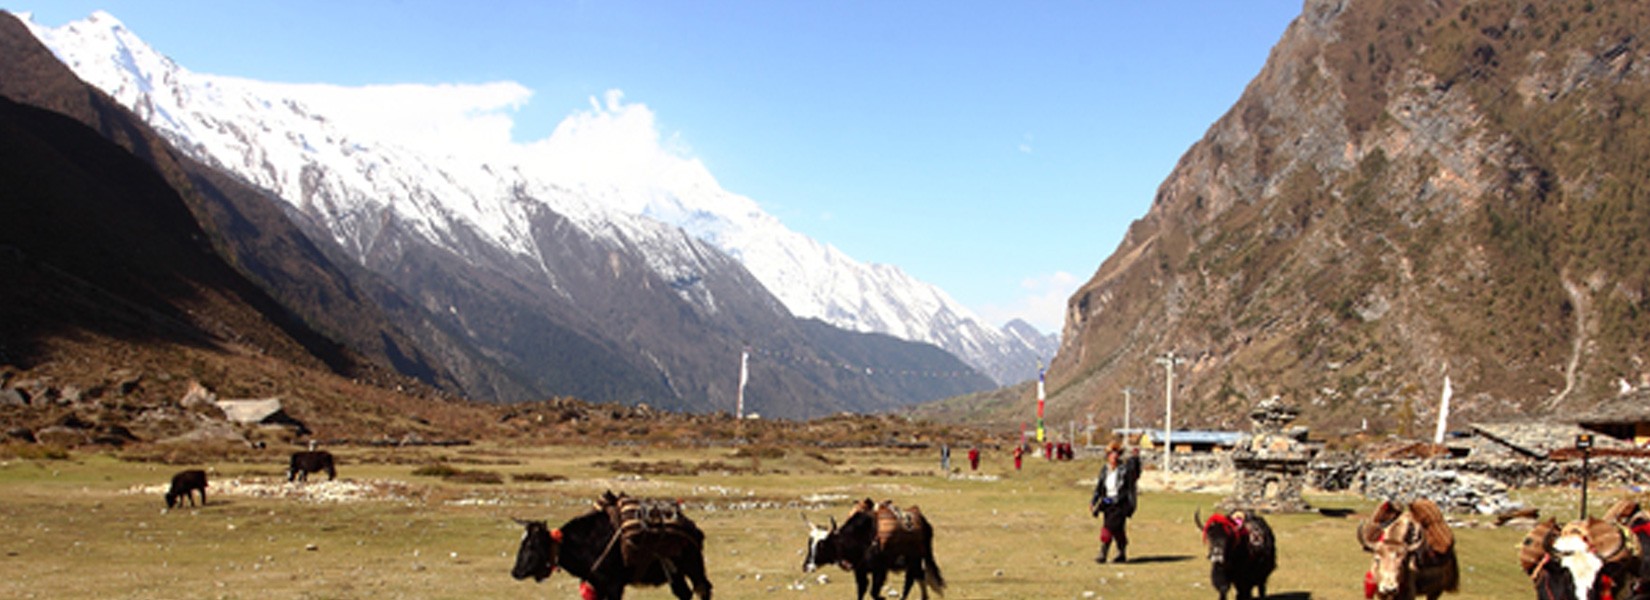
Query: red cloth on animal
x=1369, y=584
x=587, y=591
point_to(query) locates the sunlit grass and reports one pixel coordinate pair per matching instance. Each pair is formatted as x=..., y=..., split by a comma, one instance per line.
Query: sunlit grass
x=73, y=528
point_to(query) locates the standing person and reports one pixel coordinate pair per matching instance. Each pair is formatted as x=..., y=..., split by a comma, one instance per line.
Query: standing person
x=974, y=458
x=1115, y=495
x=945, y=458
x=1019, y=454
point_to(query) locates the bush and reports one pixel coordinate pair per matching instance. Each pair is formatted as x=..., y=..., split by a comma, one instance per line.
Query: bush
x=760, y=452
x=27, y=451
x=442, y=470
x=476, y=477
x=538, y=477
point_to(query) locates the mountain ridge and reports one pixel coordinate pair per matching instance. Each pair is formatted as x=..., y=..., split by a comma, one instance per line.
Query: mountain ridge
x=317, y=163
x=612, y=323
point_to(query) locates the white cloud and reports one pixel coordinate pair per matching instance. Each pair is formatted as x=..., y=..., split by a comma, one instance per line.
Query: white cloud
x=610, y=144
x=446, y=119
x=1025, y=144
x=1042, y=302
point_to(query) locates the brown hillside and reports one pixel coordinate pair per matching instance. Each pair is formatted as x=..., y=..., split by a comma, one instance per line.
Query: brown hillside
x=1406, y=190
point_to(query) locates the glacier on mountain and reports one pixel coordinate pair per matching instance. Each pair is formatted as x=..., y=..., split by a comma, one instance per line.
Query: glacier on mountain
x=604, y=168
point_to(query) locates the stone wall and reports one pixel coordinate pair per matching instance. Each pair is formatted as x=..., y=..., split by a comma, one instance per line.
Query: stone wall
x=1466, y=485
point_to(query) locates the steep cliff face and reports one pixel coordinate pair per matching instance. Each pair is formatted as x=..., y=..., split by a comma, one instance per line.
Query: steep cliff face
x=1406, y=191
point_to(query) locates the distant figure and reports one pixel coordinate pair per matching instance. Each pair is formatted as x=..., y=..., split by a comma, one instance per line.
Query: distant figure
x=945, y=458
x=1115, y=494
x=1019, y=455
x=974, y=458
x=184, y=485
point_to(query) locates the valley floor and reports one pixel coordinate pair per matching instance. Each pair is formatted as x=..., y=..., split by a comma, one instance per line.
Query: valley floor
x=92, y=526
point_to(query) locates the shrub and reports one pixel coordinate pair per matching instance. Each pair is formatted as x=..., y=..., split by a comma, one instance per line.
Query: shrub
x=760, y=452
x=476, y=477
x=27, y=451
x=442, y=470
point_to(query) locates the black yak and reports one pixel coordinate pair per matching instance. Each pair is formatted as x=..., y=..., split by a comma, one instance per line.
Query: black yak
x=1590, y=558
x=184, y=485
x=874, y=539
x=1242, y=553
x=621, y=542
x=311, y=461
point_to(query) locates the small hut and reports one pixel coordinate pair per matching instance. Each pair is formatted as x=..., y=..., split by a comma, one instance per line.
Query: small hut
x=1625, y=417
x=1188, y=441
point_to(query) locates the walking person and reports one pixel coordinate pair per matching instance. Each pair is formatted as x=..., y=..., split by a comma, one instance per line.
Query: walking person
x=1115, y=495
x=974, y=458
x=1019, y=455
x=945, y=458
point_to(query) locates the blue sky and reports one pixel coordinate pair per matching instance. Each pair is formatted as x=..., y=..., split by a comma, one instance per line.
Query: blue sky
x=996, y=149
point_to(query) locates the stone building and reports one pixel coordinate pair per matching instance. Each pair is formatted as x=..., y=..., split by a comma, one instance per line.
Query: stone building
x=1271, y=464
x=1625, y=417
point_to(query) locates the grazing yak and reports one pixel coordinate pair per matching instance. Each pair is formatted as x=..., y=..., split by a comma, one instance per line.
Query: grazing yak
x=311, y=461
x=1414, y=552
x=184, y=485
x=621, y=541
x=1242, y=552
x=1590, y=559
x=874, y=539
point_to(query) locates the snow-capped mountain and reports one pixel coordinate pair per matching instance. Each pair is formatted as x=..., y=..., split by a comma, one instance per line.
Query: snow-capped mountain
x=603, y=169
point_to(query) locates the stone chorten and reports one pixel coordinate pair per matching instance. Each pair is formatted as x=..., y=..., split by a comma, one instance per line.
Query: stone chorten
x=1271, y=462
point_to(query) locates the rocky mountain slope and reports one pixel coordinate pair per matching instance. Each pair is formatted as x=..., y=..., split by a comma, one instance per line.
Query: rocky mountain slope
x=296, y=141
x=1407, y=191
x=116, y=297
x=475, y=324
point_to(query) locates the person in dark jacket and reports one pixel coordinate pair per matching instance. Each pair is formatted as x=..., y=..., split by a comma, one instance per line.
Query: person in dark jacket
x=1115, y=495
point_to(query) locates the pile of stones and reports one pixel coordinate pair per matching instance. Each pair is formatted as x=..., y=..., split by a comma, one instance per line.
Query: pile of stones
x=1454, y=490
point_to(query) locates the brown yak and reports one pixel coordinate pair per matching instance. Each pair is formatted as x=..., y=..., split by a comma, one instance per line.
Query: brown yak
x=1414, y=552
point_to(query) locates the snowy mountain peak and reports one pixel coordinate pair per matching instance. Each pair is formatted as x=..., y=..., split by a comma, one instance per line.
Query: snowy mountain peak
x=441, y=159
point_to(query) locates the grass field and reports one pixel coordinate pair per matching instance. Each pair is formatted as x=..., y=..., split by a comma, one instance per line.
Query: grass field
x=87, y=527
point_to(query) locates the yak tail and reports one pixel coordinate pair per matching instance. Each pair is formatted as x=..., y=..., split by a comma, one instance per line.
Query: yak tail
x=931, y=574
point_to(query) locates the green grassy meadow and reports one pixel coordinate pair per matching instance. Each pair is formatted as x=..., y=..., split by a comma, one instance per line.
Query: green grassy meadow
x=85, y=527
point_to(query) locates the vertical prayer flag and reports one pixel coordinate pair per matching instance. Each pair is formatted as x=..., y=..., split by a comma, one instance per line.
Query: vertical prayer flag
x=1040, y=402
x=744, y=376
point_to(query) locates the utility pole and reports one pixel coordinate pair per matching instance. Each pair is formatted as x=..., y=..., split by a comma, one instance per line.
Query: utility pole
x=1127, y=392
x=1168, y=360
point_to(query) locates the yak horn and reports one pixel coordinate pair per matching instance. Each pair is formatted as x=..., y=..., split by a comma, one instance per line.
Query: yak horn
x=1197, y=518
x=1366, y=535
